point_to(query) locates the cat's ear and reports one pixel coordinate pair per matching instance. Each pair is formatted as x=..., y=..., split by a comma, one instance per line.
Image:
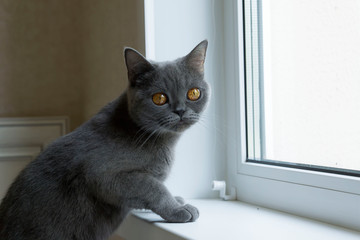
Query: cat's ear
x=136, y=64
x=196, y=58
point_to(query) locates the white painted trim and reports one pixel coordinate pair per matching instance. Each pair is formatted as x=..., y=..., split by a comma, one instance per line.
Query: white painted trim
x=149, y=12
x=231, y=220
x=22, y=139
x=31, y=131
x=335, y=182
x=19, y=152
x=61, y=121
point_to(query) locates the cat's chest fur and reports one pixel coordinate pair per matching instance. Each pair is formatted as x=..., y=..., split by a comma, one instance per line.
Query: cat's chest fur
x=157, y=162
x=154, y=160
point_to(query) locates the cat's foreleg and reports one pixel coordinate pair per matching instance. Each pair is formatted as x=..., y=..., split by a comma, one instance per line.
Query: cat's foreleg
x=145, y=191
x=180, y=200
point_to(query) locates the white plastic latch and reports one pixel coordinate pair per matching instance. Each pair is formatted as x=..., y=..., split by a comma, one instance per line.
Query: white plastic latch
x=221, y=186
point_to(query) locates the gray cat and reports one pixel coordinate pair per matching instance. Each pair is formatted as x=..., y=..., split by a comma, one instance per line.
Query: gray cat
x=85, y=183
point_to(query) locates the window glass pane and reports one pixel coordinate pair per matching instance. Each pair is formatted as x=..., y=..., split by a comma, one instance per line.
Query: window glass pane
x=303, y=81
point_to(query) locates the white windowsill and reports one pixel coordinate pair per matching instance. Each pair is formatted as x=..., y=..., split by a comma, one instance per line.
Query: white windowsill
x=231, y=220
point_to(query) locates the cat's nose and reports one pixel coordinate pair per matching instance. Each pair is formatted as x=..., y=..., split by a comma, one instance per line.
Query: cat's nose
x=180, y=112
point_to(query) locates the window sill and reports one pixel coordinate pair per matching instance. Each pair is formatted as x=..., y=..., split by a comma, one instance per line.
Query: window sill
x=229, y=219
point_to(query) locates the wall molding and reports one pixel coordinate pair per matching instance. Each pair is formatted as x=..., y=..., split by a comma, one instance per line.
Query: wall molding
x=14, y=153
x=61, y=121
x=31, y=131
x=22, y=140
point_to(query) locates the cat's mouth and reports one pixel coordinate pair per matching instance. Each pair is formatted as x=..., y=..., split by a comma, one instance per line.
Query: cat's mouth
x=181, y=125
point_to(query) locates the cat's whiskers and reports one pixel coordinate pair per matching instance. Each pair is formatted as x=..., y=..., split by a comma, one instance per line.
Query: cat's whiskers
x=159, y=133
x=216, y=124
x=142, y=131
x=216, y=120
x=152, y=133
x=147, y=124
x=162, y=123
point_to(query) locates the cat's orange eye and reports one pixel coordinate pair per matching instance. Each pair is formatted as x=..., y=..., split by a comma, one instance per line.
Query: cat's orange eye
x=159, y=98
x=193, y=94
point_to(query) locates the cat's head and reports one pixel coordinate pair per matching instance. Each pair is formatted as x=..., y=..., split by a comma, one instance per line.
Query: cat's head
x=167, y=96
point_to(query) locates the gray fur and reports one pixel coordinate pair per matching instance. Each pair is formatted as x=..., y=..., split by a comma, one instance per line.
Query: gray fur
x=85, y=183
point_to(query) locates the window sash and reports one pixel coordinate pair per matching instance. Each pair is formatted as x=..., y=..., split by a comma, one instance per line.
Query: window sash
x=254, y=92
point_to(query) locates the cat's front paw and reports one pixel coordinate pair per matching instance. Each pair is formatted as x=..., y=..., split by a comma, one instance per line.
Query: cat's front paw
x=185, y=213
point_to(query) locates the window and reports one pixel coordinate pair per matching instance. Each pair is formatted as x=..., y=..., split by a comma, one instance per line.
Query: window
x=295, y=87
x=302, y=84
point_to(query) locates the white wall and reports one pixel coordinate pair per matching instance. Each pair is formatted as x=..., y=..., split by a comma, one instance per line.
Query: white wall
x=173, y=29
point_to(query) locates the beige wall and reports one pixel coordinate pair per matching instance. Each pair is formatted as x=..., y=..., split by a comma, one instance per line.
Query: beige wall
x=65, y=57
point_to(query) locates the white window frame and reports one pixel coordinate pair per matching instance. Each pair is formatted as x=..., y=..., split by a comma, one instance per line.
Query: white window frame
x=322, y=196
